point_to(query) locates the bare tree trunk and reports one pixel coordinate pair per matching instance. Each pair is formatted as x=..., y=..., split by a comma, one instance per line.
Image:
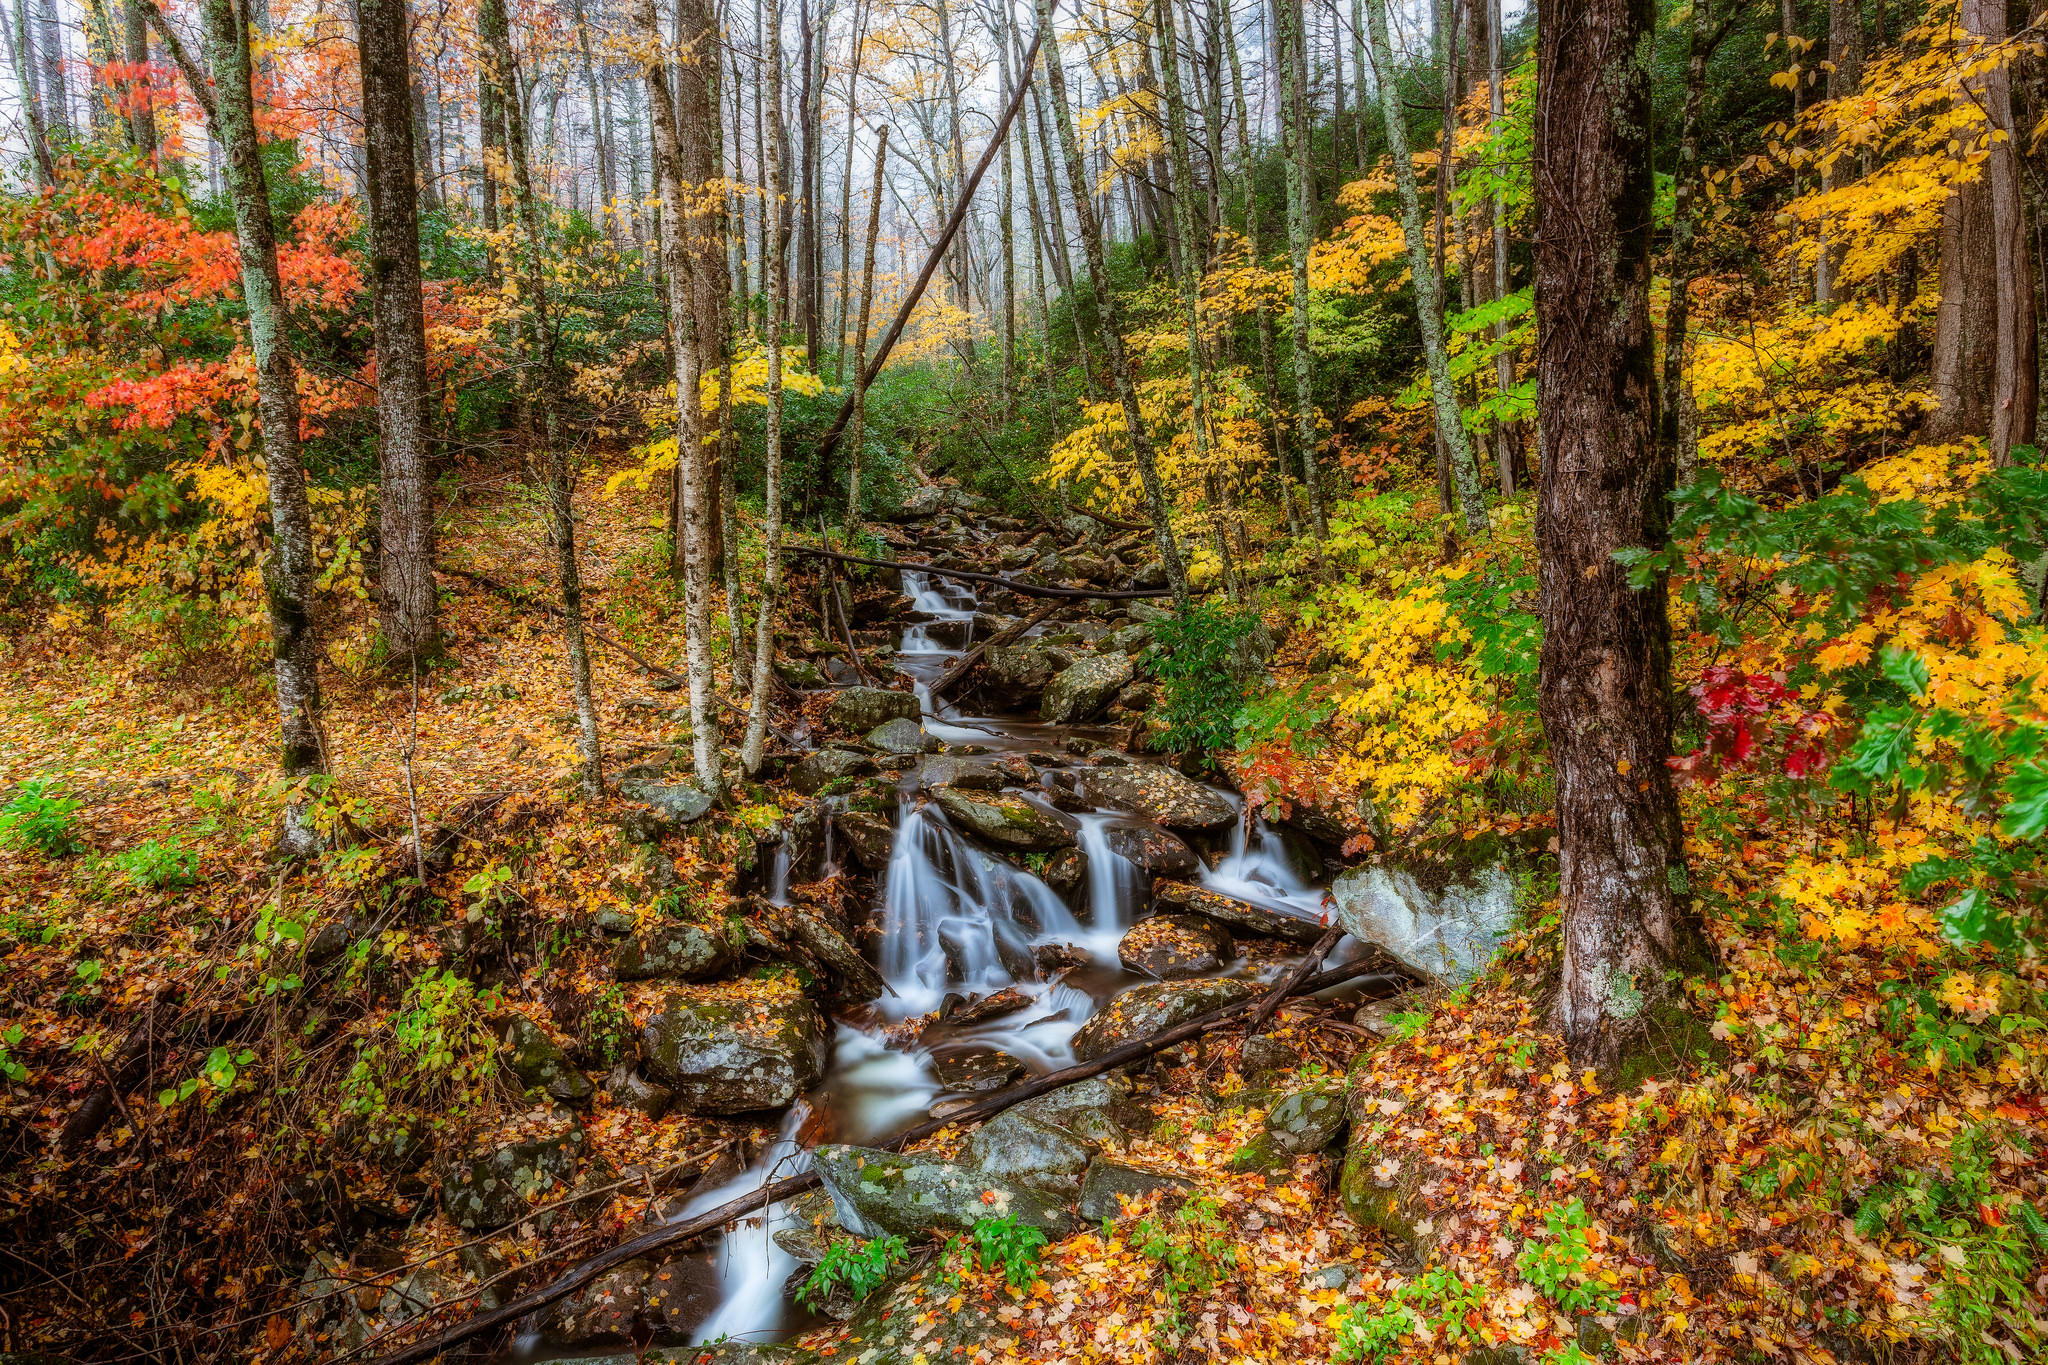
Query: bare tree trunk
x=1005, y=214
x=1703, y=36
x=1508, y=436
x=857, y=435
x=405, y=495
x=1450, y=424
x=860, y=26
x=962, y=267
x=490, y=104
x=1103, y=307
x=1605, y=672
x=288, y=574
x=1845, y=60
x=1296, y=131
x=607, y=171
x=682, y=156
x=1056, y=225
x=1358, y=63
x=1181, y=168
x=21, y=54
x=56, y=87
x=771, y=518
x=1985, y=369
x=141, y=118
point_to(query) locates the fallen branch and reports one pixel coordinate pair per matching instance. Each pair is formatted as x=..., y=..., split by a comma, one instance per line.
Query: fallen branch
x=1025, y=589
x=1388, y=983
x=1001, y=637
x=1293, y=978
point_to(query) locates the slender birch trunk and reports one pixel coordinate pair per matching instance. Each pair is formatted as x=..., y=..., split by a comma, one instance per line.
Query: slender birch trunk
x=1295, y=129
x=857, y=435
x=771, y=519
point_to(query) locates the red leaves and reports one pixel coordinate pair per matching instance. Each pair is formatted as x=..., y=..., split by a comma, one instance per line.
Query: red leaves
x=1752, y=717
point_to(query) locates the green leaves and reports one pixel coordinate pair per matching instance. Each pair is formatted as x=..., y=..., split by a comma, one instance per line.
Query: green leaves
x=1904, y=667
x=1011, y=1245
x=860, y=1267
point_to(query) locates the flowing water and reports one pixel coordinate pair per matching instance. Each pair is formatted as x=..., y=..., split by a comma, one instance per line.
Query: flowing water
x=958, y=920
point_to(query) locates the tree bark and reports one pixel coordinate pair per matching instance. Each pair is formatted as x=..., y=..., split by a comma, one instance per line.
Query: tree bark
x=1605, y=669
x=288, y=573
x=1181, y=168
x=753, y=746
x=1450, y=424
x=141, y=117
x=858, y=434
x=1701, y=39
x=1296, y=132
x=860, y=24
x=600, y=123
x=1246, y=154
x=1985, y=367
x=56, y=87
x=1845, y=60
x=21, y=55
x=1508, y=436
x=1101, y=304
x=405, y=496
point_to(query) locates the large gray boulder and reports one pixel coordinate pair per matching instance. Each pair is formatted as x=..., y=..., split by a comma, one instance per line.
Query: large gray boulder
x=1014, y=675
x=900, y=737
x=1145, y=1011
x=870, y=836
x=722, y=1052
x=878, y=1193
x=494, y=1181
x=1175, y=947
x=858, y=710
x=823, y=768
x=533, y=1058
x=1084, y=689
x=969, y=774
x=1238, y=915
x=1004, y=820
x=1151, y=789
x=679, y=951
x=1157, y=853
x=1107, y=1179
x=1308, y=1120
x=677, y=803
x=1448, y=930
x=1016, y=1146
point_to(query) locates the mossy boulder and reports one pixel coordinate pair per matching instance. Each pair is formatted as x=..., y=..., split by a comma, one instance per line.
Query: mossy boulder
x=495, y=1180
x=678, y=951
x=536, y=1062
x=1145, y=1011
x=1150, y=789
x=1243, y=917
x=878, y=1192
x=1175, y=947
x=1308, y=1120
x=1081, y=691
x=858, y=710
x=733, y=1049
x=1106, y=1180
x=821, y=769
x=1004, y=820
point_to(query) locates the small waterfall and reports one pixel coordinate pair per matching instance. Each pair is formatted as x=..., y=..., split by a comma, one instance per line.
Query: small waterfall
x=953, y=606
x=955, y=917
x=750, y=1268
x=1257, y=869
x=1116, y=885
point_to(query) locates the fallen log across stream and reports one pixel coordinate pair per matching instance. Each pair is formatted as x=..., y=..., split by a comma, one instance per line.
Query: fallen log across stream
x=1025, y=589
x=1379, y=981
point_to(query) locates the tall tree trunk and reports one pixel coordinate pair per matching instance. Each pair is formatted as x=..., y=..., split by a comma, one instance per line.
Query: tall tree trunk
x=1181, y=168
x=771, y=495
x=860, y=25
x=405, y=495
x=56, y=86
x=1845, y=74
x=1296, y=132
x=556, y=460
x=1056, y=228
x=1102, y=305
x=1508, y=436
x=607, y=171
x=288, y=574
x=1004, y=216
x=141, y=116
x=21, y=55
x=1269, y=374
x=963, y=266
x=1702, y=37
x=1358, y=61
x=490, y=105
x=1605, y=670
x=682, y=157
x=857, y=434
x=1985, y=368
x=1428, y=307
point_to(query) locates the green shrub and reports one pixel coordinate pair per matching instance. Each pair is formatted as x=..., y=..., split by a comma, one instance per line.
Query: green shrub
x=1011, y=1245
x=159, y=866
x=1558, y=1267
x=862, y=1267
x=40, y=819
x=1205, y=661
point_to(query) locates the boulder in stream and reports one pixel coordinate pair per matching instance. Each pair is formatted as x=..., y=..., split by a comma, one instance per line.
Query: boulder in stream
x=1081, y=691
x=979, y=1072
x=1174, y=947
x=534, y=1059
x=1445, y=925
x=1018, y=1146
x=1004, y=820
x=1157, y=853
x=1014, y=675
x=1260, y=920
x=493, y=1181
x=1142, y=1012
x=736, y=1048
x=880, y=1192
x=1066, y=872
x=678, y=950
x=871, y=837
x=965, y=773
x=899, y=737
x=1151, y=789
x=857, y=710
x=828, y=765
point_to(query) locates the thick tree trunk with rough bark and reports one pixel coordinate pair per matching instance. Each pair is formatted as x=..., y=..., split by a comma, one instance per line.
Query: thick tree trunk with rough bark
x=288, y=574
x=1985, y=366
x=405, y=586
x=1450, y=425
x=1605, y=670
x=1100, y=302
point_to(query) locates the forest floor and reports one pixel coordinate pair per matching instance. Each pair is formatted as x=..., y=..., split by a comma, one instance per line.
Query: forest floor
x=1804, y=1187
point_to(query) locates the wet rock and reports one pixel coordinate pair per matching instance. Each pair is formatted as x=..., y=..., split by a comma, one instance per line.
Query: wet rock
x=676, y=803
x=1107, y=1179
x=1066, y=872
x=729, y=1051
x=901, y=737
x=1264, y=1056
x=1175, y=801
x=607, y=1307
x=537, y=1062
x=819, y=937
x=1243, y=916
x=1097, y=1111
x=799, y=672
x=966, y=774
x=1155, y=851
x=1015, y=675
x=1448, y=930
x=976, y=1073
x=1084, y=689
x=803, y=839
x=680, y=951
x=493, y=1182
x=883, y=1192
x=1125, y=640
x=1307, y=1120
x=871, y=837
x=1136, y=697
x=827, y=766
x=1050, y=959
x=1020, y=1147
x=810, y=1226
x=858, y=710
x=629, y=1090
x=1173, y=947
x=984, y=1008
x=1142, y=1012
x=1004, y=820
